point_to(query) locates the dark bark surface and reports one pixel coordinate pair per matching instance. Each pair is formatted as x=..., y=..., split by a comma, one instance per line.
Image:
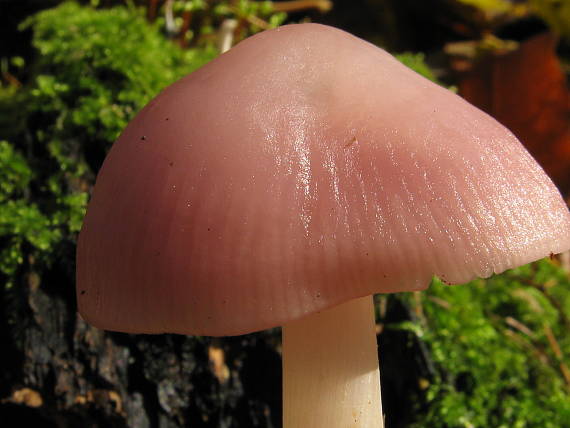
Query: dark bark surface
x=58, y=371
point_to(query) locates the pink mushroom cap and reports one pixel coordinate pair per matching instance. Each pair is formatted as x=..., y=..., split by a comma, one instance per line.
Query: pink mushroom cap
x=301, y=169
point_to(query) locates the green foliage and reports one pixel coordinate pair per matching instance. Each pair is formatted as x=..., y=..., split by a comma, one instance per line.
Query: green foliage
x=416, y=61
x=94, y=70
x=556, y=13
x=195, y=22
x=102, y=66
x=491, y=7
x=15, y=174
x=253, y=12
x=20, y=221
x=493, y=341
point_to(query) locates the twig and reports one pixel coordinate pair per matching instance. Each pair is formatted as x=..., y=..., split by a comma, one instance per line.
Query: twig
x=186, y=19
x=558, y=352
x=439, y=301
x=516, y=337
x=252, y=19
x=516, y=324
x=226, y=35
x=298, y=5
x=526, y=341
x=169, y=18
x=555, y=303
x=151, y=10
x=530, y=343
x=11, y=79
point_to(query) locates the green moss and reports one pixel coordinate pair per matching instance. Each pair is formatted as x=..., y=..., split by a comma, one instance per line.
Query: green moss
x=416, y=61
x=490, y=341
x=94, y=70
x=100, y=67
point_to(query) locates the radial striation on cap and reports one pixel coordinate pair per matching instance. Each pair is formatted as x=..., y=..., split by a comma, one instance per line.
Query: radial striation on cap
x=303, y=168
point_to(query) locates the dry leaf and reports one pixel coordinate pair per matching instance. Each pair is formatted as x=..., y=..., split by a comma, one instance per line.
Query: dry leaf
x=526, y=91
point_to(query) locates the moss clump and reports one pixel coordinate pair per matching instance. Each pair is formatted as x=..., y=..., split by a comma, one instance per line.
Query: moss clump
x=94, y=70
x=501, y=348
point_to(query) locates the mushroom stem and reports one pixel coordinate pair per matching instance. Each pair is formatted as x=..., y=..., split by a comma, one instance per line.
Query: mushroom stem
x=330, y=369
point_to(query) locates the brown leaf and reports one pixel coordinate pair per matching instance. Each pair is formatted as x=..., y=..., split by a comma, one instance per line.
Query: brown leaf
x=218, y=364
x=26, y=396
x=526, y=91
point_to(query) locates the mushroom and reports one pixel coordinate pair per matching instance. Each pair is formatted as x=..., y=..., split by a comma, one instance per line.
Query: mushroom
x=286, y=182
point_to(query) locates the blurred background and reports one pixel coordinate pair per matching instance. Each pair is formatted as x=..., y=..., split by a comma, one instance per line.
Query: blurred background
x=495, y=353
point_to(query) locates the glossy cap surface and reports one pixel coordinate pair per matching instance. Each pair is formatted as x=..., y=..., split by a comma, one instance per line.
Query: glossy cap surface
x=303, y=168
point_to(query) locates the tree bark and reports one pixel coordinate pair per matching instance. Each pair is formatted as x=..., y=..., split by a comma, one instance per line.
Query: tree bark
x=58, y=371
